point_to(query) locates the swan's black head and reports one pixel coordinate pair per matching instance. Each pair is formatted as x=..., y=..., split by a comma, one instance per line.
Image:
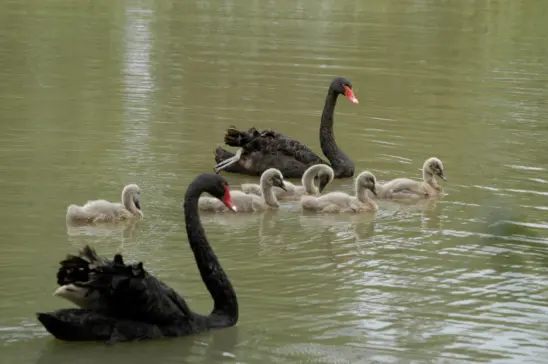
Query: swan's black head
x=344, y=87
x=216, y=186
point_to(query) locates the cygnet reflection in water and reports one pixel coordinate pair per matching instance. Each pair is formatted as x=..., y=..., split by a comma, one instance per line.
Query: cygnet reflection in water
x=123, y=232
x=359, y=225
x=214, y=348
x=125, y=228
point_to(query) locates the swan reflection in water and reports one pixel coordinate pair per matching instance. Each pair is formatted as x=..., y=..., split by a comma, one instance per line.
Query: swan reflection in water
x=213, y=348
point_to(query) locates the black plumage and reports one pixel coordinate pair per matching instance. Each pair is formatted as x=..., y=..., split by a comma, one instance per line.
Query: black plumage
x=266, y=149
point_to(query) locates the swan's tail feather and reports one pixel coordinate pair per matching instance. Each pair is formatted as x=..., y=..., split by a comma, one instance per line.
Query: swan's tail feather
x=239, y=138
x=76, y=268
x=73, y=269
x=90, y=270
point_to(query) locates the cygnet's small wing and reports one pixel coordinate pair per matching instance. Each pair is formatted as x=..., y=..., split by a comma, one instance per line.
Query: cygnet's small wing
x=251, y=188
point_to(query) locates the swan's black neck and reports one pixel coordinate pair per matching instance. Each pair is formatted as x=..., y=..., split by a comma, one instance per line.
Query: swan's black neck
x=225, y=311
x=341, y=164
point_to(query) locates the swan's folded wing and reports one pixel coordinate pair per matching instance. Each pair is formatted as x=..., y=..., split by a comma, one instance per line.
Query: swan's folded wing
x=272, y=143
x=276, y=143
x=145, y=298
x=75, y=324
x=124, y=291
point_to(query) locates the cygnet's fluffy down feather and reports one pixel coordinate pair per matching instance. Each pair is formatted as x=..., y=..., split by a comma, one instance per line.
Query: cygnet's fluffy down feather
x=343, y=202
x=97, y=211
x=322, y=172
x=405, y=188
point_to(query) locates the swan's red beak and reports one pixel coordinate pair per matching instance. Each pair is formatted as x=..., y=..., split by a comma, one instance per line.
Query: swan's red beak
x=350, y=94
x=227, y=200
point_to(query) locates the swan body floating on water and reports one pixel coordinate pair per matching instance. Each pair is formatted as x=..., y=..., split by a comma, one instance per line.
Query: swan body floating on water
x=249, y=202
x=260, y=150
x=405, y=188
x=343, y=202
x=98, y=211
x=124, y=302
x=322, y=172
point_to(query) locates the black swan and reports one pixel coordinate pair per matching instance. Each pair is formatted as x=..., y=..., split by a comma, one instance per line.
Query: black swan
x=121, y=302
x=269, y=149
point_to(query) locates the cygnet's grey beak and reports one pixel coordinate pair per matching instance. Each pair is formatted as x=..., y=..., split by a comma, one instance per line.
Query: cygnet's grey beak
x=374, y=190
x=279, y=183
x=137, y=204
x=442, y=176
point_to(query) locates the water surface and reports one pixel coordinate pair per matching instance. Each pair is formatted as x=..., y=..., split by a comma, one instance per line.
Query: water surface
x=94, y=95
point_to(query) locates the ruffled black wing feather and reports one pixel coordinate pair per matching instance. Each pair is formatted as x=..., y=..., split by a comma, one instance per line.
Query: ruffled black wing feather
x=125, y=291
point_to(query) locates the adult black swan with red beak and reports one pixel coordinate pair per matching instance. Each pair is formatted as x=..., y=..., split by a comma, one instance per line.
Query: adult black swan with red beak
x=261, y=150
x=123, y=302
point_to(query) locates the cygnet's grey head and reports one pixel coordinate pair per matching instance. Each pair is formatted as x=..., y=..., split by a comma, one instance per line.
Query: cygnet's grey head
x=368, y=181
x=325, y=176
x=135, y=192
x=434, y=166
x=274, y=178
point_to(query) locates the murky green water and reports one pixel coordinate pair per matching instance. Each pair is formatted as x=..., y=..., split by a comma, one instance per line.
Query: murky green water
x=94, y=95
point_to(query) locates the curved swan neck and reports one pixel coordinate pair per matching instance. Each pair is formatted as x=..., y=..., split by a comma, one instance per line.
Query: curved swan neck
x=361, y=192
x=268, y=195
x=429, y=178
x=307, y=180
x=342, y=165
x=128, y=203
x=326, y=124
x=225, y=311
